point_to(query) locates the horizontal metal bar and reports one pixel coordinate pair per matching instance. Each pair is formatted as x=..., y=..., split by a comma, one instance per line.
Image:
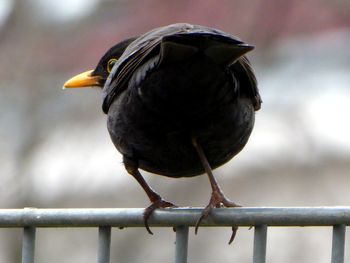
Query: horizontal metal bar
x=133, y=217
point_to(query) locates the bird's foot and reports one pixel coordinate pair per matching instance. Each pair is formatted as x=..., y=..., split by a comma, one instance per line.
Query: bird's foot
x=159, y=203
x=217, y=200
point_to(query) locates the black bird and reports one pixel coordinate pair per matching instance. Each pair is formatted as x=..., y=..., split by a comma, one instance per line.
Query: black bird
x=180, y=101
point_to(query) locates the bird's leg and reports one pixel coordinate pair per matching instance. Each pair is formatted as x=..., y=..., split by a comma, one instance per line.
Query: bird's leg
x=217, y=198
x=157, y=202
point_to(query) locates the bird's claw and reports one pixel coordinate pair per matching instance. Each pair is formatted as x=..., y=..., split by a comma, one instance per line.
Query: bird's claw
x=217, y=200
x=233, y=235
x=149, y=210
x=204, y=214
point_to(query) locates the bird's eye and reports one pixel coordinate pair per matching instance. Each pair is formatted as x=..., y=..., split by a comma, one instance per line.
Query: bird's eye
x=110, y=64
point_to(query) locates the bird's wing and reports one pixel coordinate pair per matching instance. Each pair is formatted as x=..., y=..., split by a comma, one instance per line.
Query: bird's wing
x=153, y=43
x=243, y=72
x=136, y=54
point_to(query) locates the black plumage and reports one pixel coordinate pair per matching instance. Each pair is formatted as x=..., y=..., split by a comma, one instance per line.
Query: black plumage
x=180, y=99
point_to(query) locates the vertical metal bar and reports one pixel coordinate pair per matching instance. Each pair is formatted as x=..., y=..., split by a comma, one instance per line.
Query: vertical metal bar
x=259, y=253
x=181, y=244
x=338, y=243
x=104, y=244
x=28, y=245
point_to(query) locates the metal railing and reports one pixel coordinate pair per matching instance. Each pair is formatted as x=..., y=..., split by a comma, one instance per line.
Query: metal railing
x=180, y=218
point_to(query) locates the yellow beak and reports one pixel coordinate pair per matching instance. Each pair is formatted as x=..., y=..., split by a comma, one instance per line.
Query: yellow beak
x=82, y=80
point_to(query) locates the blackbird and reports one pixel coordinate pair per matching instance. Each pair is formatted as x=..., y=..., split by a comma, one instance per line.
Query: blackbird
x=180, y=100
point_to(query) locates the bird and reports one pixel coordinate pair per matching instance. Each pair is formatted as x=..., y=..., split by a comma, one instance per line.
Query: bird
x=180, y=101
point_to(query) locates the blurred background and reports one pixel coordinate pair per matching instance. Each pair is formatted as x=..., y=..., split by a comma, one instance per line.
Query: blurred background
x=55, y=151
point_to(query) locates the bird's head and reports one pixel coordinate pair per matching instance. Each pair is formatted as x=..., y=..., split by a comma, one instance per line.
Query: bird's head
x=98, y=76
